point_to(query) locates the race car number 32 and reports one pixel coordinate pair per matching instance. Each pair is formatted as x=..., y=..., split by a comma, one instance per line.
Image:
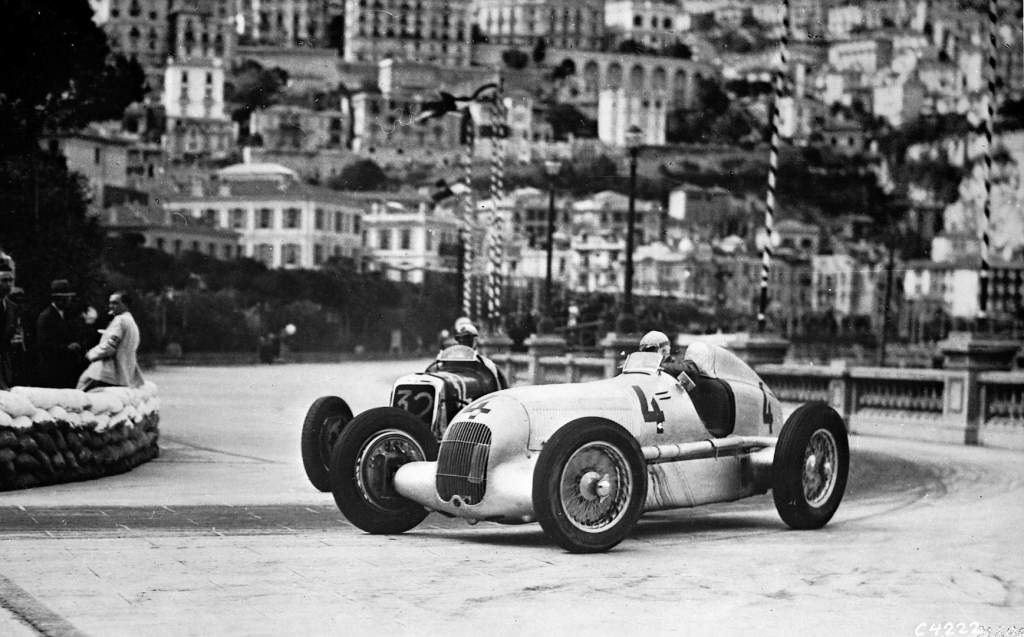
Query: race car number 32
x=650, y=411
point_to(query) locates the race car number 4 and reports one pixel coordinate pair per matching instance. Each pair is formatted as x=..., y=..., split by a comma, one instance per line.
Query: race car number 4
x=651, y=412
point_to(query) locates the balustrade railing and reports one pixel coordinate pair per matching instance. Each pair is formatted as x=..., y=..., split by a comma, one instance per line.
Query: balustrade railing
x=921, y=395
x=945, y=405
x=1002, y=398
x=796, y=385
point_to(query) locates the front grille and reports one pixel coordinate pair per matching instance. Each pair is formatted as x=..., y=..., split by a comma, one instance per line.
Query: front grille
x=462, y=462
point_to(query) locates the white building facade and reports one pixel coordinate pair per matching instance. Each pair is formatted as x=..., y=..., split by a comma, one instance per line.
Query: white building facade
x=653, y=23
x=280, y=222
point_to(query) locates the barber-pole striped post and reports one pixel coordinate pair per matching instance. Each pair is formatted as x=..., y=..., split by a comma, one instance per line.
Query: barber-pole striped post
x=985, y=272
x=773, y=167
x=495, y=227
x=466, y=227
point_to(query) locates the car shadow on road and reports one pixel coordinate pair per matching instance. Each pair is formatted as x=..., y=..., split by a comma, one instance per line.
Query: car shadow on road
x=650, y=526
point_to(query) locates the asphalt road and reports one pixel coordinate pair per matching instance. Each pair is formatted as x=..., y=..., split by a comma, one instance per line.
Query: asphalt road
x=223, y=535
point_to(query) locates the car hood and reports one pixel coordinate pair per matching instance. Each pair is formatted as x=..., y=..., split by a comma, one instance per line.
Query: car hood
x=549, y=407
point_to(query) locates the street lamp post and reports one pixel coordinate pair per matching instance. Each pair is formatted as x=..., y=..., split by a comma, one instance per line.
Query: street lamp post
x=551, y=167
x=634, y=140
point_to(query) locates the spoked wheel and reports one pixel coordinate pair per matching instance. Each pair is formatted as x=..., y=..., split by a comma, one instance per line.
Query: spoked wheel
x=589, y=485
x=812, y=463
x=363, y=464
x=326, y=417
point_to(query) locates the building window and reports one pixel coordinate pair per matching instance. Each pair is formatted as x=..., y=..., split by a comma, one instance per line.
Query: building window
x=265, y=254
x=405, y=239
x=211, y=249
x=292, y=218
x=96, y=155
x=227, y=251
x=291, y=254
x=355, y=224
x=384, y=239
x=237, y=218
x=210, y=217
x=266, y=218
x=160, y=244
x=177, y=247
x=339, y=222
x=195, y=246
x=318, y=219
x=318, y=254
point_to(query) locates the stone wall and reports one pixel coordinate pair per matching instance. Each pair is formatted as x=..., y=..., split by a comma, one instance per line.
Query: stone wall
x=50, y=436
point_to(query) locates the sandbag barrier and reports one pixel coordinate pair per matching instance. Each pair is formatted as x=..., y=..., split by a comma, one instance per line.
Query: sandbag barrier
x=50, y=436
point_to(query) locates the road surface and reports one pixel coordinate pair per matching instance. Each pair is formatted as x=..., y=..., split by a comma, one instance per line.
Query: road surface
x=223, y=535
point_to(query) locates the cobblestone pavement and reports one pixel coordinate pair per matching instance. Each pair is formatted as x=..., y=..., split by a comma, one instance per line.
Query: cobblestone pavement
x=223, y=535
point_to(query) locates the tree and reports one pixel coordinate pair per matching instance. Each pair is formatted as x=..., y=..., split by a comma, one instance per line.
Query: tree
x=515, y=59
x=254, y=87
x=566, y=119
x=45, y=227
x=540, y=50
x=57, y=72
x=632, y=47
x=566, y=69
x=364, y=174
x=678, y=50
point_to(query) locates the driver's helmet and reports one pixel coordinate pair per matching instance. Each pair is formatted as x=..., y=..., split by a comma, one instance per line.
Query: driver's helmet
x=655, y=341
x=466, y=334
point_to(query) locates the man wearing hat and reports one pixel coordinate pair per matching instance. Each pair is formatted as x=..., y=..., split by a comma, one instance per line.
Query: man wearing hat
x=60, y=353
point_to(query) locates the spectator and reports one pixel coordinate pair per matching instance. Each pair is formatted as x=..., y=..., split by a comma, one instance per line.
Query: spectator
x=21, y=357
x=60, y=353
x=113, y=360
x=11, y=336
x=265, y=348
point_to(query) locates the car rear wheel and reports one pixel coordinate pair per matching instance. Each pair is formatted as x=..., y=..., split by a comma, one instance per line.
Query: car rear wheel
x=325, y=419
x=589, y=485
x=812, y=462
x=363, y=464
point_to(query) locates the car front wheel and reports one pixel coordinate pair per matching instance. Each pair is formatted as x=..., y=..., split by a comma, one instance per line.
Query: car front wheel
x=812, y=462
x=589, y=486
x=363, y=464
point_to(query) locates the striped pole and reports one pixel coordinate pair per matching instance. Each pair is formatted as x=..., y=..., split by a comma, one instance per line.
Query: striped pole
x=773, y=166
x=465, y=228
x=495, y=248
x=985, y=271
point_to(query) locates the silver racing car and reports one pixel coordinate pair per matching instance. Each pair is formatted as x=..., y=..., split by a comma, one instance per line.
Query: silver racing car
x=585, y=460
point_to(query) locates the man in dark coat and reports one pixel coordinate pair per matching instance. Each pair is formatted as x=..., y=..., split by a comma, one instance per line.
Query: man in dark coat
x=10, y=330
x=60, y=353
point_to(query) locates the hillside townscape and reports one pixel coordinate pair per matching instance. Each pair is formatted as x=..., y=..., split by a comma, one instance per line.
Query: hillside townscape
x=248, y=164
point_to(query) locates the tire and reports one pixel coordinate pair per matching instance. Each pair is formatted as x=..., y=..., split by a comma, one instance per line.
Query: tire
x=326, y=418
x=363, y=465
x=811, y=465
x=577, y=461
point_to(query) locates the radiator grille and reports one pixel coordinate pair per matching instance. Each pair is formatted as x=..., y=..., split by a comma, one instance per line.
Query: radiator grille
x=462, y=462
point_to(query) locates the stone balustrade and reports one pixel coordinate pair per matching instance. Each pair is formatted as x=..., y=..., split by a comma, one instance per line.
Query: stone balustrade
x=50, y=436
x=963, y=403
